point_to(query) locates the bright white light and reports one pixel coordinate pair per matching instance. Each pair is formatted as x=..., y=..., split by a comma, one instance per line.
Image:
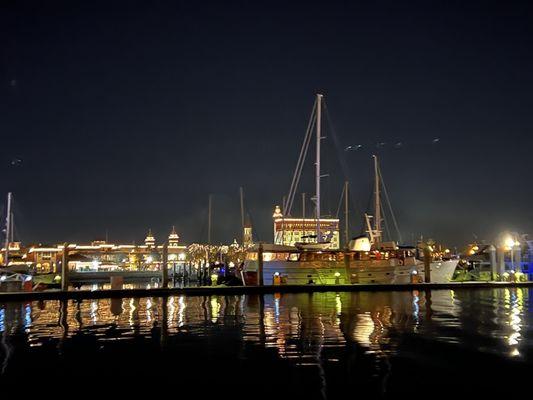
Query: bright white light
x=28, y=278
x=181, y=256
x=149, y=259
x=3, y=278
x=510, y=243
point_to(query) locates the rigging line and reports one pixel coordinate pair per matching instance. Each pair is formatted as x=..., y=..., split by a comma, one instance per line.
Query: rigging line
x=301, y=161
x=302, y=156
x=340, y=202
x=301, y=168
x=389, y=236
x=394, y=221
x=342, y=159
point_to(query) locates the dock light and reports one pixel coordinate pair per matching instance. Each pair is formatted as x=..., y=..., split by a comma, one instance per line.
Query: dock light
x=337, y=274
x=3, y=278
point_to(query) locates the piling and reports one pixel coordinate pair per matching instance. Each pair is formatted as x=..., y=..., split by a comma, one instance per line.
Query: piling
x=347, y=267
x=260, y=265
x=164, y=266
x=500, y=257
x=427, y=264
x=493, y=264
x=64, y=268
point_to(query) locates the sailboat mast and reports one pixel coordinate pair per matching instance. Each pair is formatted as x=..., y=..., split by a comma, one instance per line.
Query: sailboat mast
x=209, y=220
x=8, y=228
x=377, y=202
x=317, y=171
x=241, y=193
x=346, y=215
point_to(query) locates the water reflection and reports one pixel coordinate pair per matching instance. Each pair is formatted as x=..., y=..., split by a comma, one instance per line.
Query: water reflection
x=330, y=342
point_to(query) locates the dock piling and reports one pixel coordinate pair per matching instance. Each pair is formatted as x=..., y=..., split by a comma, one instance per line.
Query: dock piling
x=260, y=265
x=64, y=268
x=164, y=266
x=427, y=264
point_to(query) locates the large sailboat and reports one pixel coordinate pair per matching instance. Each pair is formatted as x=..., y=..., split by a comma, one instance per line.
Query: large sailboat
x=365, y=259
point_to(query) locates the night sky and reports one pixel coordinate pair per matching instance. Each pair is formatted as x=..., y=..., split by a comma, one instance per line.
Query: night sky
x=124, y=116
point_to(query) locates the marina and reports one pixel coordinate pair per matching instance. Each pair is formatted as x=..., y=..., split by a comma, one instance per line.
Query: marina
x=266, y=200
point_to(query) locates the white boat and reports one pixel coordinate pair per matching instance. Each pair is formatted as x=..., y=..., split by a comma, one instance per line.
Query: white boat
x=295, y=266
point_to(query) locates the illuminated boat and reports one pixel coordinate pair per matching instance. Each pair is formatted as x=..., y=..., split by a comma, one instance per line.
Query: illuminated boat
x=388, y=264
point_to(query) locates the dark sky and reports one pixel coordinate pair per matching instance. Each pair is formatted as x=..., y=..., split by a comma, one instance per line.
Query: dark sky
x=124, y=116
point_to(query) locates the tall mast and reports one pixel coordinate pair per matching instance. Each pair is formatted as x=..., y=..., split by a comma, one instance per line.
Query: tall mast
x=241, y=192
x=209, y=221
x=346, y=215
x=377, y=202
x=8, y=227
x=317, y=172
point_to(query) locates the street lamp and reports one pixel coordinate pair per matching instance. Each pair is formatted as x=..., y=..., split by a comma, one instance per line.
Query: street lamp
x=510, y=244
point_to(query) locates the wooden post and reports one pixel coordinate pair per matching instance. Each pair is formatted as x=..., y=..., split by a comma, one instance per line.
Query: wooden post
x=164, y=266
x=260, y=265
x=427, y=263
x=64, y=268
x=493, y=263
x=347, y=267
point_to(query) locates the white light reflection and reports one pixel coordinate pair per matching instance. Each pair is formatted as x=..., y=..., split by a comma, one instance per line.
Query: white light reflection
x=148, y=310
x=416, y=308
x=94, y=311
x=132, y=311
x=181, y=311
x=27, y=316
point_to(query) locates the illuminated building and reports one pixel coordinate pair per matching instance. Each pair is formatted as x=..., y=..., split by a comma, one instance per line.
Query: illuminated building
x=288, y=230
x=100, y=255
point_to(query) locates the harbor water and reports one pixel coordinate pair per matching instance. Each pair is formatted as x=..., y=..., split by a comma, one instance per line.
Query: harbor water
x=309, y=345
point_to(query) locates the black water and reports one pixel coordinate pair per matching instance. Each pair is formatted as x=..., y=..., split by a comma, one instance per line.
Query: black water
x=311, y=346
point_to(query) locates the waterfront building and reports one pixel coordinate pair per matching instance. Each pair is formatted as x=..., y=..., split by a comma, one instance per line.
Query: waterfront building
x=100, y=255
x=288, y=230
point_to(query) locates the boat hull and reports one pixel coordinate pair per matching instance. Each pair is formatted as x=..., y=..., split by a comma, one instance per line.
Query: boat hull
x=336, y=273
